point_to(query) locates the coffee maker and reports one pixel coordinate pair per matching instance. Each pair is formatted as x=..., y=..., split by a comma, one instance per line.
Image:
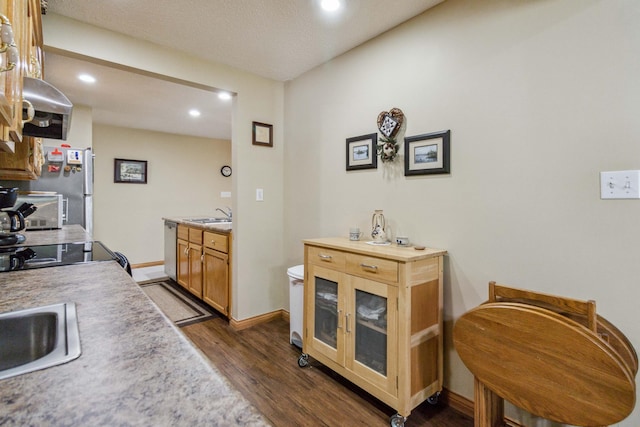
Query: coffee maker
x=12, y=220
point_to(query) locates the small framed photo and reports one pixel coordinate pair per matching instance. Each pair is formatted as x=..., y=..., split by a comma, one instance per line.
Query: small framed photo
x=427, y=154
x=262, y=134
x=362, y=152
x=130, y=171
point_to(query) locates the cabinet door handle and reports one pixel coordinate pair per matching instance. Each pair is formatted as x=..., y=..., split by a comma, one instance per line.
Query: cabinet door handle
x=347, y=320
x=370, y=267
x=186, y=251
x=339, y=326
x=202, y=258
x=324, y=257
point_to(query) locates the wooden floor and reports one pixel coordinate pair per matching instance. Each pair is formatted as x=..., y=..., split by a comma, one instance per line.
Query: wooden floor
x=263, y=366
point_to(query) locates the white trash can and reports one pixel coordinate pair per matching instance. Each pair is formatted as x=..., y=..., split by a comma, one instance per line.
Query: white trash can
x=296, y=302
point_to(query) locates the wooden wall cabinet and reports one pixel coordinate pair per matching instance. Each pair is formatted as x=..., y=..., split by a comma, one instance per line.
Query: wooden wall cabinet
x=216, y=272
x=373, y=314
x=25, y=163
x=25, y=21
x=190, y=259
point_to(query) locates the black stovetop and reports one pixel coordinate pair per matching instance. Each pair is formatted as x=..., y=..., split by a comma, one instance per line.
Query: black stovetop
x=39, y=256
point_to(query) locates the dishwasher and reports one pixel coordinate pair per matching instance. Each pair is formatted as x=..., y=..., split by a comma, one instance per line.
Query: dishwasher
x=170, y=241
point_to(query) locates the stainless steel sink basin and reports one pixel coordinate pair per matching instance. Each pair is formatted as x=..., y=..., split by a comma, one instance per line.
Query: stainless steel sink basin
x=210, y=220
x=38, y=338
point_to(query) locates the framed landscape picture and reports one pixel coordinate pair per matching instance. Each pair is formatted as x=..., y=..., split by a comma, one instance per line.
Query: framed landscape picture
x=130, y=171
x=427, y=154
x=362, y=152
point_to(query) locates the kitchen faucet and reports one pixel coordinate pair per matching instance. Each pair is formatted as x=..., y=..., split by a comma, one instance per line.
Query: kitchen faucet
x=227, y=214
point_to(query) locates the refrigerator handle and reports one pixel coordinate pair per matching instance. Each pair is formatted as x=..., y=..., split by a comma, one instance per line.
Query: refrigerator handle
x=65, y=209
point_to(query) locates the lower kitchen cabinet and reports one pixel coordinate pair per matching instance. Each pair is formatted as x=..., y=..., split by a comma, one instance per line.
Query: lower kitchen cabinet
x=190, y=259
x=203, y=266
x=374, y=315
x=216, y=278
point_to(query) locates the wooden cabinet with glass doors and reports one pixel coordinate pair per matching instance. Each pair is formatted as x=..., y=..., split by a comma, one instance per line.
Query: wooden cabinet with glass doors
x=374, y=315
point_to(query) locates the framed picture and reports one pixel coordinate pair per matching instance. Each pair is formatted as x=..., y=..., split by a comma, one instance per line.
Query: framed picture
x=262, y=134
x=427, y=154
x=130, y=171
x=362, y=152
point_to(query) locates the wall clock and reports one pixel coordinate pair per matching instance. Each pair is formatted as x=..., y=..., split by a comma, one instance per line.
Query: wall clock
x=225, y=170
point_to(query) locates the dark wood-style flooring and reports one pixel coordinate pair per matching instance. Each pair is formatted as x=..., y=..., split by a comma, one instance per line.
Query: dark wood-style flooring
x=263, y=366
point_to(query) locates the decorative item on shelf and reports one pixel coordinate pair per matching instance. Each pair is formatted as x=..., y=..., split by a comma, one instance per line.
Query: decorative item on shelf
x=8, y=45
x=389, y=123
x=378, y=226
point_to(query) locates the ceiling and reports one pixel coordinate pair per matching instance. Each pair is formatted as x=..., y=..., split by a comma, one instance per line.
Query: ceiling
x=277, y=39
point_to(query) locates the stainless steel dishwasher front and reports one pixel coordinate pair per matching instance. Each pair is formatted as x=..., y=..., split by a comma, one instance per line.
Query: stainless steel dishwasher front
x=170, y=241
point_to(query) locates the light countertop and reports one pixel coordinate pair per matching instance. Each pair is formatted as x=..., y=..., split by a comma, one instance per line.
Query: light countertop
x=67, y=234
x=136, y=368
x=219, y=227
x=391, y=251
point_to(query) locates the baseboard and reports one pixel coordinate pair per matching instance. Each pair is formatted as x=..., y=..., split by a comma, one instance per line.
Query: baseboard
x=252, y=321
x=466, y=406
x=457, y=402
x=147, y=264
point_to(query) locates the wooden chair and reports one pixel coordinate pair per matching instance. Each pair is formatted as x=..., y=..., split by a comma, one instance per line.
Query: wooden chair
x=552, y=356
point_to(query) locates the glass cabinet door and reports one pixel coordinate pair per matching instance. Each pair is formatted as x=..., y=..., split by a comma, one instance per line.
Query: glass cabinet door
x=325, y=303
x=326, y=311
x=372, y=332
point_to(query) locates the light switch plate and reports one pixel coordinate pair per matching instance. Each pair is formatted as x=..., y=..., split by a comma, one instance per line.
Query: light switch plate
x=259, y=195
x=225, y=194
x=620, y=184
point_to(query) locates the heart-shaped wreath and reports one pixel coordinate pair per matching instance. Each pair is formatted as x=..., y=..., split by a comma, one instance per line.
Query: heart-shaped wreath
x=389, y=124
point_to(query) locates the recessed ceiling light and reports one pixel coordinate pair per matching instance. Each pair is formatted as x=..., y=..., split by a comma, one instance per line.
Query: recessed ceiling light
x=194, y=113
x=330, y=5
x=224, y=95
x=87, y=78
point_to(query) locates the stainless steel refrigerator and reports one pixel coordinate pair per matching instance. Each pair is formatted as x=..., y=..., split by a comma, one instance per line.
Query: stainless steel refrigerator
x=66, y=171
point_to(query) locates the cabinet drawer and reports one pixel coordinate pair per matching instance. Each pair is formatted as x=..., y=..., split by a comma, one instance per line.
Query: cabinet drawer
x=372, y=268
x=326, y=257
x=183, y=232
x=195, y=236
x=219, y=242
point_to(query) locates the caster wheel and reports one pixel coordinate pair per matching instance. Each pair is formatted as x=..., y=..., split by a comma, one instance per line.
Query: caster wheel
x=303, y=360
x=396, y=420
x=433, y=399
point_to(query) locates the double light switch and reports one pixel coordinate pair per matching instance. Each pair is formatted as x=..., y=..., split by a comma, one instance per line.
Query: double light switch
x=620, y=185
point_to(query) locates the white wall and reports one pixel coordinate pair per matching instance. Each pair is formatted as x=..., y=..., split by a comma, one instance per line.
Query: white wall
x=259, y=273
x=540, y=96
x=183, y=179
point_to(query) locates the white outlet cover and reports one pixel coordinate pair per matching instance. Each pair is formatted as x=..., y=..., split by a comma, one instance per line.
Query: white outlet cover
x=620, y=184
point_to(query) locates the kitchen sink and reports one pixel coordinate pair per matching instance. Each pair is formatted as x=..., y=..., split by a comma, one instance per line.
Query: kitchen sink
x=210, y=220
x=38, y=338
